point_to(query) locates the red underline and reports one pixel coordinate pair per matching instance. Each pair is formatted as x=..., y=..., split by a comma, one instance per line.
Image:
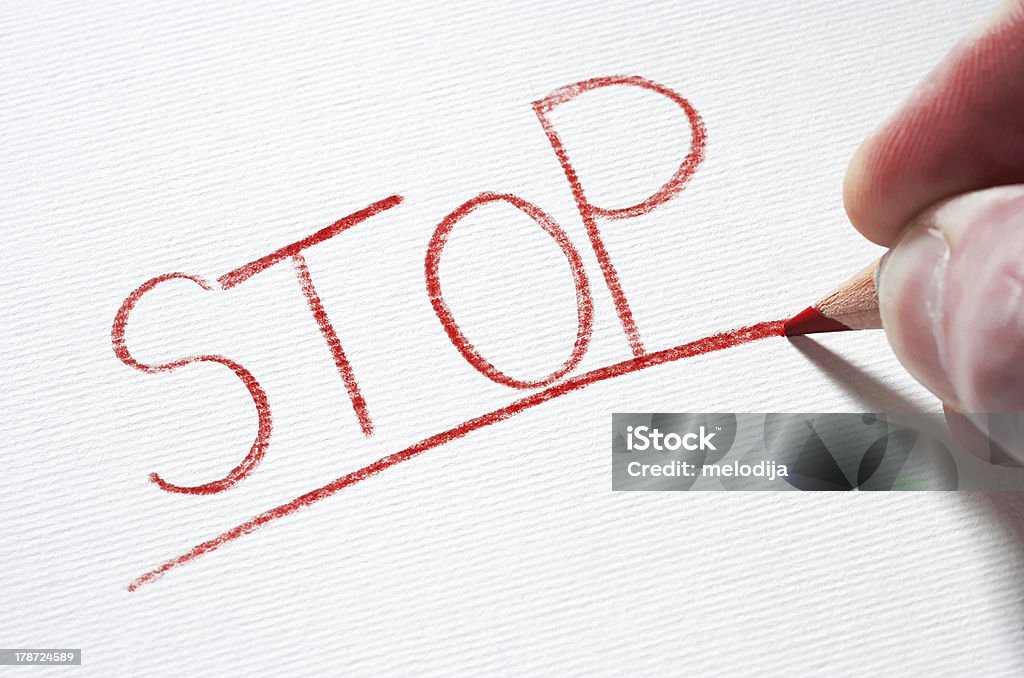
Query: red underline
x=715, y=342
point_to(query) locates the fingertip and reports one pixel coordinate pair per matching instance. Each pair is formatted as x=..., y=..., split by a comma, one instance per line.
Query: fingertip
x=861, y=202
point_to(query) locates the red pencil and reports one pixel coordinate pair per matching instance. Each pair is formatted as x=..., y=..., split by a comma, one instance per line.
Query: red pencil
x=853, y=306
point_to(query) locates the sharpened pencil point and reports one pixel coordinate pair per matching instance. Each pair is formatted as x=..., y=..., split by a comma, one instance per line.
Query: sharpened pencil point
x=811, y=321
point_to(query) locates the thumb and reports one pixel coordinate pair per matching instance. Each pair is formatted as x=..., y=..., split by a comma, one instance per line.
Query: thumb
x=951, y=297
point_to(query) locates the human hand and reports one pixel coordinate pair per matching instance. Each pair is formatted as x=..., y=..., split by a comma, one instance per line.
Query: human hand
x=940, y=183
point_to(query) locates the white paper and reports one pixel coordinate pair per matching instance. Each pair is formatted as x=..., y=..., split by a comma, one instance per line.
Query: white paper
x=144, y=139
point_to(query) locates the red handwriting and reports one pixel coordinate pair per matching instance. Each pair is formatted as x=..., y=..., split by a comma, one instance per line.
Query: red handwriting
x=556, y=384
x=333, y=343
x=584, y=303
x=715, y=342
x=259, y=396
x=588, y=211
x=243, y=273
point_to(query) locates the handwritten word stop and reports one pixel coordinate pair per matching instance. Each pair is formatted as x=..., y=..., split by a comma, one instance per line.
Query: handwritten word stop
x=590, y=213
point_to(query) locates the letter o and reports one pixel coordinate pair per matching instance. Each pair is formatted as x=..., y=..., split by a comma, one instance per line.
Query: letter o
x=584, y=302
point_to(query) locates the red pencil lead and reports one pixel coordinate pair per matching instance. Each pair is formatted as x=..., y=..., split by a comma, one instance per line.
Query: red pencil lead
x=812, y=321
x=854, y=306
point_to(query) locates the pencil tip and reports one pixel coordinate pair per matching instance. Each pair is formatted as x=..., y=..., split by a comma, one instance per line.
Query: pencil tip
x=811, y=321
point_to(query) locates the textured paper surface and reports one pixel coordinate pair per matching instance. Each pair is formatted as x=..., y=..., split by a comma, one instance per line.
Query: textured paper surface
x=146, y=139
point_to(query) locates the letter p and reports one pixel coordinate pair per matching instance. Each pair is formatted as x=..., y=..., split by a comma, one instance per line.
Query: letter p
x=589, y=212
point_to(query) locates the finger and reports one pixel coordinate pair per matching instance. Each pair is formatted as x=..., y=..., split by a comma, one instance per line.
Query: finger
x=960, y=130
x=951, y=297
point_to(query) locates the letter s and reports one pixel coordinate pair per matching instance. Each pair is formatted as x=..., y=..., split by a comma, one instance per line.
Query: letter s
x=259, y=396
x=643, y=442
